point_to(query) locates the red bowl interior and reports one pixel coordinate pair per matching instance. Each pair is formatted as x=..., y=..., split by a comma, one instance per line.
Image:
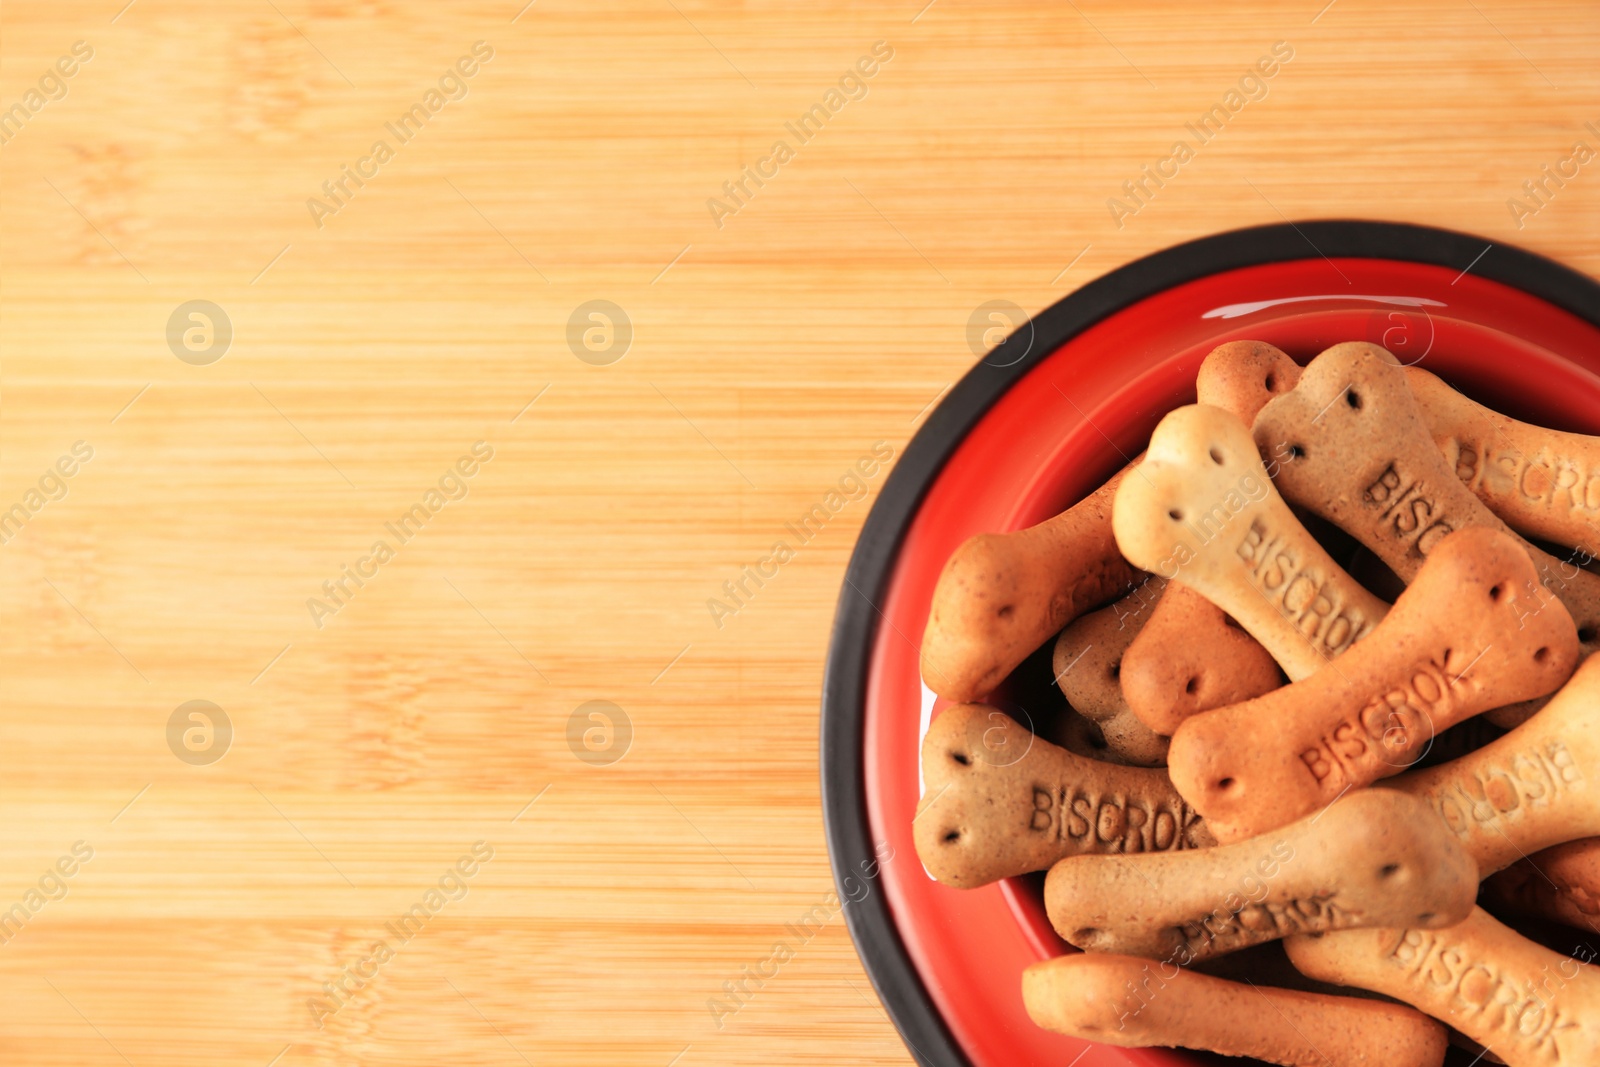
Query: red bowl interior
x=1060, y=432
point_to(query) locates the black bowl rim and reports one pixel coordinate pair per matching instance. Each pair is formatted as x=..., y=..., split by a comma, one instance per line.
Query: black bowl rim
x=855, y=624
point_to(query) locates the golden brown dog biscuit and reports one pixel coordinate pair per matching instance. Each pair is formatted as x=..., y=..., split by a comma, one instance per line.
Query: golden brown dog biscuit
x=1135, y=1003
x=1349, y=443
x=1376, y=858
x=1561, y=883
x=1002, y=802
x=1189, y=657
x=1543, y=483
x=1241, y=376
x=1460, y=640
x=1532, y=1006
x=1088, y=667
x=1200, y=509
x=1537, y=786
x=1002, y=595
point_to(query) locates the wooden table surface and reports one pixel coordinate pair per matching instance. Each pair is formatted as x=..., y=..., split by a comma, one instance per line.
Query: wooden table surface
x=384, y=727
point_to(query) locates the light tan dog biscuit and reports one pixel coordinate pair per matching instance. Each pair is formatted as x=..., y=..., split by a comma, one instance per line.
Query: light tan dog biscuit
x=1201, y=509
x=1189, y=657
x=1134, y=1003
x=1376, y=858
x=1543, y=483
x=1002, y=802
x=1532, y=1006
x=1088, y=668
x=1002, y=595
x=1241, y=376
x=1561, y=883
x=1460, y=640
x=1537, y=786
x=1349, y=443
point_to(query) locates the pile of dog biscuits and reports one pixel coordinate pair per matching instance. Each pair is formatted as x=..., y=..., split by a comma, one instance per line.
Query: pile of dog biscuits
x=1327, y=786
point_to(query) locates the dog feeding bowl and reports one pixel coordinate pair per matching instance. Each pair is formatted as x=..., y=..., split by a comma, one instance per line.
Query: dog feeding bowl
x=1040, y=422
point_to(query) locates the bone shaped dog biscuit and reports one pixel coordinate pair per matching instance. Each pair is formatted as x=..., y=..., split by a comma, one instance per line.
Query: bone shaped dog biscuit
x=1537, y=786
x=1082, y=737
x=1189, y=657
x=1376, y=858
x=1132, y=1003
x=1560, y=883
x=1201, y=509
x=1532, y=1006
x=1088, y=667
x=1349, y=443
x=1088, y=653
x=1002, y=802
x=1460, y=640
x=1241, y=376
x=1002, y=595
x=1543, y=483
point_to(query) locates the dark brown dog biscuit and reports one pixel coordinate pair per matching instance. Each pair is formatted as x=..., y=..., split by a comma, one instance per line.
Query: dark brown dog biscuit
x=1001, y=802
x=1081, y=736
x=1561, y=883
x=1133, y=742
x=1088, y=667
x=1543, y=483
x=1375, y=858
x=1349, y=443
x=1514, y=715
x=1088, y=654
